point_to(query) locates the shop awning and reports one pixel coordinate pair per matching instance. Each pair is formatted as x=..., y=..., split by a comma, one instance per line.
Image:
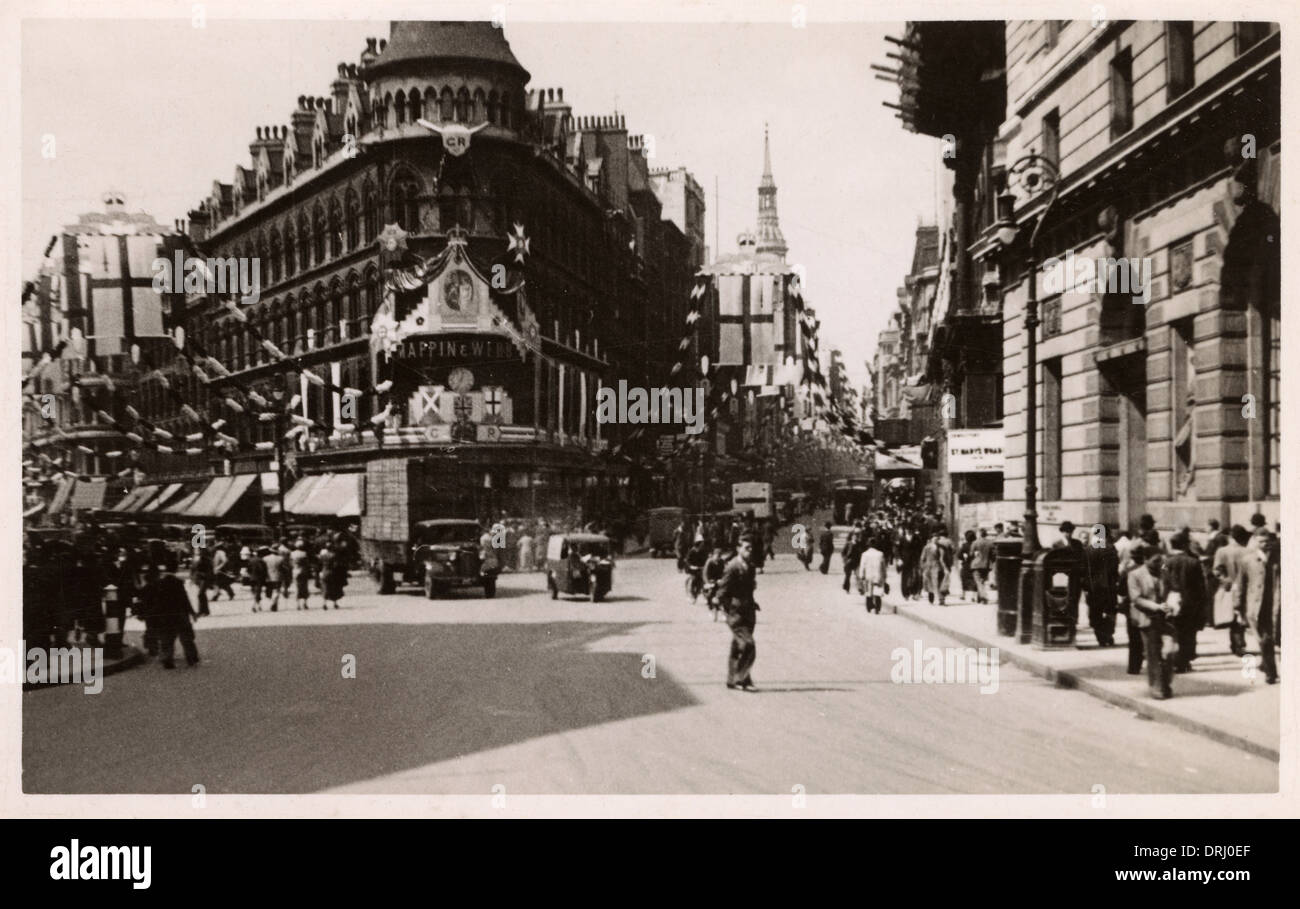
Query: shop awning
x=888, y=463
x=136, y=498
x=329, y=495
x=61, y=495
x=186, y=499
x=163, y=497
x=88, y=495
x=219, y=496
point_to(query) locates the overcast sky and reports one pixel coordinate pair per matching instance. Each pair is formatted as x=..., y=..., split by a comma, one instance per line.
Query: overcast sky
x=159, y=109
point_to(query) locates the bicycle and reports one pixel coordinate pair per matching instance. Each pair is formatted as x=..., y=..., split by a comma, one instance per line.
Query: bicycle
x=694, y=584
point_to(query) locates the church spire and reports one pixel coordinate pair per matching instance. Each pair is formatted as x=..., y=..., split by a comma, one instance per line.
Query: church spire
x=770, y=239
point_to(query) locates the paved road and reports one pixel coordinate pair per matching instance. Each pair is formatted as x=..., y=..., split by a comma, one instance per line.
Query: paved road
x=459, y=695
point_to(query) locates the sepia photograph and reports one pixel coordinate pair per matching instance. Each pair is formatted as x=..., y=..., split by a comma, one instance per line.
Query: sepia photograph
x=743, y=408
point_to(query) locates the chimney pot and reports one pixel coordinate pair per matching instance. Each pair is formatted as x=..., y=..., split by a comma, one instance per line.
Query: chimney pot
x=383, y=43
x=560, y=92
x=259, y=134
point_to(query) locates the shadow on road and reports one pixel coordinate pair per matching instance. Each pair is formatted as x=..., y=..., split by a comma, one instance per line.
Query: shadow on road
x=269, y=711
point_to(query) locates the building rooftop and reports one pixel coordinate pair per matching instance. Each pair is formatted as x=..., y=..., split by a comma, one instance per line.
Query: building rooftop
x=420, y=40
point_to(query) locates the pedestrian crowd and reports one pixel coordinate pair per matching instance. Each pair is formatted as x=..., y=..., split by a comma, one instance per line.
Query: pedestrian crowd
x=1168, y=589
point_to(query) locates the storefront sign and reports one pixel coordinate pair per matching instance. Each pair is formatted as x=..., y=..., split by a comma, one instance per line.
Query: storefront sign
x=428, y=349
x=975, y=450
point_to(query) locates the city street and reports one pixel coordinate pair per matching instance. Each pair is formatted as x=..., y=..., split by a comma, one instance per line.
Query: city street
x=459, y=695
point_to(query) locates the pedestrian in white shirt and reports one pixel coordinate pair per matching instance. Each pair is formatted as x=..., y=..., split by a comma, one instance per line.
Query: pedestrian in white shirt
x=871, y=575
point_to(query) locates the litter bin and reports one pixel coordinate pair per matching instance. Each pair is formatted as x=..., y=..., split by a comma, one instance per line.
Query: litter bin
x=1008, y=580
x=1055, y=581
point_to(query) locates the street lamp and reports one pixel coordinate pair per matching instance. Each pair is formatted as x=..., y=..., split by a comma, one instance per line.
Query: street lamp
x=1032, y=174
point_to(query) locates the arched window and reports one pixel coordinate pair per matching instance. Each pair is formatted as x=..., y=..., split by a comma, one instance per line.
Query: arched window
x=277, y=254
x=334, y=330
x=462, y=105
x=304, y=242
x=352, y=307
x=477, y=112
x=370, y=210
x=448, y=104
x=336, y=228
x=399, y=107
x=404, y=202
x=492, y=106
x=371, y=293
x=289, y=247
x=455, y=207
x=506, y=116
x=351, y=221
x=414, y=103
x=383, y=109
x=319, y=229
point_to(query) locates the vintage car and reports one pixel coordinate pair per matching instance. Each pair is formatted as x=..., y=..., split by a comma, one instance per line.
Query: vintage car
x=446, y=553
x=579, y=563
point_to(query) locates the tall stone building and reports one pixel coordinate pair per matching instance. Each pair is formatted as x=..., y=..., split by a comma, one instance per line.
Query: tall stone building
x=1158, y=377
x=1166, y=136
x=605, y=273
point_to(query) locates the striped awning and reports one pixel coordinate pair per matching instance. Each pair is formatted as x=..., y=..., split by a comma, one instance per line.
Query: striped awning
x=136, y=498
x=61, y=495
x=163, y=497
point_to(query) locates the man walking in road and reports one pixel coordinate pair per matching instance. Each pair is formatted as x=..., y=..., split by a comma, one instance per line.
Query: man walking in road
x=872, y=573
x=736, y=594
x=169, y=605
x=826, y=546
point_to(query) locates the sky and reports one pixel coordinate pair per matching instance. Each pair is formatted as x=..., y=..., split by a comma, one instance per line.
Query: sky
x=159, y=109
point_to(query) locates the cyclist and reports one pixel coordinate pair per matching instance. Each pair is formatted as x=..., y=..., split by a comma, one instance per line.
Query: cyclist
x=695, y=559
x=713, y=569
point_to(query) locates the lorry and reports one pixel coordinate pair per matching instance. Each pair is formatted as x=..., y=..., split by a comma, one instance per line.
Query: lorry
x=400, y=494
x=752, y=497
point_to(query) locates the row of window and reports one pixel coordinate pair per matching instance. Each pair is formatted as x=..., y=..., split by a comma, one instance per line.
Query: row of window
x=461, y=107
x=1180, y=63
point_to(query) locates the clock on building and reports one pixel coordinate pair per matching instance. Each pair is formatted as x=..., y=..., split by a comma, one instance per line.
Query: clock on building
x=460, y=380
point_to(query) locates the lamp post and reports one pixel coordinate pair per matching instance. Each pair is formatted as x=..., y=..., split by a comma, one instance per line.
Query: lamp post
x=1034, y=175
x=280, y=413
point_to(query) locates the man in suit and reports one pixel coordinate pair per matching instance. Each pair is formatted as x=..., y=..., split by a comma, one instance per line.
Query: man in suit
x=1101, y=564
x=1149, y=612
x=982, y=559
x=736, y=595
x=826, y=546
x=1184, y=576
x=1255, y=595
x=1227, y=569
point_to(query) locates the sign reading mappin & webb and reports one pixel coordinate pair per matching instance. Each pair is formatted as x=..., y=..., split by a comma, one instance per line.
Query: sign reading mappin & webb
x=447, y=349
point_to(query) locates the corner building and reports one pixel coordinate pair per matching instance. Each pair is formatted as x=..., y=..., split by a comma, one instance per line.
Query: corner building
x=605, y=273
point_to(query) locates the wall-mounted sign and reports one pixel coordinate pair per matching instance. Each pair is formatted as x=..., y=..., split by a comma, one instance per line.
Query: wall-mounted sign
x=443, y=349
x=975, y=450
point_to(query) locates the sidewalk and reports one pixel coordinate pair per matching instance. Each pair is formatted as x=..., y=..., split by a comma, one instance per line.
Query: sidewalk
x=1217, y=699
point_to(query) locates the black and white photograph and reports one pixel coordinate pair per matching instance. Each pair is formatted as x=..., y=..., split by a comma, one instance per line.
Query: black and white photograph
x=774, y=409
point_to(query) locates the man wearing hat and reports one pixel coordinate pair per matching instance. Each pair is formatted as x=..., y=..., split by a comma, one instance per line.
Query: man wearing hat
x=1255, y=595
x=1149, y=612
x=1068, y=541
x=1183, y=575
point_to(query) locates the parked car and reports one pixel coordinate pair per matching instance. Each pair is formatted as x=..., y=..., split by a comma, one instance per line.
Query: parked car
x=446, y=553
